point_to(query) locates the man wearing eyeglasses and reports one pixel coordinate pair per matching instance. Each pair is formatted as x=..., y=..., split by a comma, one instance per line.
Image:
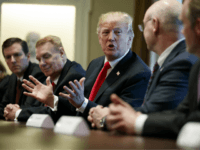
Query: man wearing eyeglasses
x=169, y=82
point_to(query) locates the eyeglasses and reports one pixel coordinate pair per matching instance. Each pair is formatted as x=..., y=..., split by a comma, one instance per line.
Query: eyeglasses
x=141, y=26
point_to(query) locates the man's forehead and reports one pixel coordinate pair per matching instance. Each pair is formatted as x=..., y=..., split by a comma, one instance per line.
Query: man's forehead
x=113, y=24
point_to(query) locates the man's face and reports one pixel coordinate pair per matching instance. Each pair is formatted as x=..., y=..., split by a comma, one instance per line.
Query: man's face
x=114, y=39
x=188, y=31
x=51, y=61
x=16, y=59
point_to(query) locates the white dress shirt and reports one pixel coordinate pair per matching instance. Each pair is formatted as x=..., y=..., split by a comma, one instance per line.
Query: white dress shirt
x=55, y=102
x=139, y=124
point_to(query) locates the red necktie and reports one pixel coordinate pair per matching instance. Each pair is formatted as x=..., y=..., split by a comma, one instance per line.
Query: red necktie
x=54, y=85
x=99, y=81
x=18, y=91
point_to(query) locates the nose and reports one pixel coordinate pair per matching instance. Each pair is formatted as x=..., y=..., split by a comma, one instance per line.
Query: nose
x=111, y=36
x=42, y=62
x=13, y=60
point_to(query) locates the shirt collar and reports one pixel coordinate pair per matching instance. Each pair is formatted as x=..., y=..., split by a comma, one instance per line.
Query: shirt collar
x=56, y=80
x=166, y=53
x=115, y=62
x=21, y=78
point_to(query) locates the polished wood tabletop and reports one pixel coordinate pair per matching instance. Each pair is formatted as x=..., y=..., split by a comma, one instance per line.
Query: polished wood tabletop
x=15, y=135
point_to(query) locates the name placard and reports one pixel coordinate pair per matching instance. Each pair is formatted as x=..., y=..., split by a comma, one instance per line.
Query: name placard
x=72, y=126
x=40, y=121
x=189, y=136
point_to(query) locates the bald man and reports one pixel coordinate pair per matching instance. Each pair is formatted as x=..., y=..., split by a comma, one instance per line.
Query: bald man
x=169, y=83
x=167, y=123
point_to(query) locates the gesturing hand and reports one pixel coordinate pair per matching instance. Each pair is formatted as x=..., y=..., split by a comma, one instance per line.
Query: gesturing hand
x=122, y=116
x=39, y=91
x=76, y=95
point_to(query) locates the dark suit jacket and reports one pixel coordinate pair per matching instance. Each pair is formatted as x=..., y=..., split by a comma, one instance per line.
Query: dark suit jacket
x=130, y=85
x=24, y=101
x=170, y=84
x=70, y=72
x=169, y=123
x=3, y=86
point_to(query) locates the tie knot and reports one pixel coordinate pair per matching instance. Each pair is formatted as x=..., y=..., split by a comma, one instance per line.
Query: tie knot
x=156, y=66
x=53, y=84
x=107, y=65
x=19, y=83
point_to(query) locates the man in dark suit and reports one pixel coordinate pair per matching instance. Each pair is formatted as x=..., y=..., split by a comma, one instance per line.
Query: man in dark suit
x=169, y=83
x=60, y=70
x=166, y=123
x=127, y=75
x=15, y=52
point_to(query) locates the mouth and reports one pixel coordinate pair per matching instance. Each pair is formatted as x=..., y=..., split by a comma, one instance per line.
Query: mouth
x=111, y=46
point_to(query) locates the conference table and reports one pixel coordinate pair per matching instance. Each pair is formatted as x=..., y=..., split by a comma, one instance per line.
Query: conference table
x=17, y=136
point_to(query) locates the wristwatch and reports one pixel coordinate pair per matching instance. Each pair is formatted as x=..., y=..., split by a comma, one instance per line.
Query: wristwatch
x=102, y=122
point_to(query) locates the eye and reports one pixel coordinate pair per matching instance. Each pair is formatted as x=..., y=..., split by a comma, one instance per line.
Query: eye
x=7, y=57
x=17, y=54
x=46, y=56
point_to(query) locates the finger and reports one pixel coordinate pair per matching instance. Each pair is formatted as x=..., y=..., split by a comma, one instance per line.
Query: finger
x=28, y=83
x=91, y=110
x=69, y=91
x=29, y=94
x=119, y=126
x=93, y=125
x=5, y=113
x=34, y=80
x=115, y=109
x=99, y=106
x=112, y=119
x=73, y=86
x=77, y=84
x=65, y=95
x=48, y=82
x=82, y=80
x=117, y=100
x=16, y=105
x=9, y=106
x=27, y=88
x=90, y=119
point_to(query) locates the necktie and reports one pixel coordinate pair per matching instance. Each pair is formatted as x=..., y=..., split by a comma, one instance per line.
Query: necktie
x=99, y=81
x=54, y=86
x=155, y=69
x=18, y=91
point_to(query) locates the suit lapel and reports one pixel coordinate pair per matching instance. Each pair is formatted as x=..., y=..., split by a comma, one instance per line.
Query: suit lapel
x=62, y=76
x=178, y=49
x=93, y=76
x=116, y=73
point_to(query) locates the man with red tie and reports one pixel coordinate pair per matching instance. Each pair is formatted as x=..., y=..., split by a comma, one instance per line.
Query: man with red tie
x=17, y=57
x=166, y=123
x=120, y=71
x=59, y=71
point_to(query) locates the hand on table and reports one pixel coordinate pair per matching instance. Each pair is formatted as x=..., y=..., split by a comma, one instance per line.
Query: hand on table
x=39, y=91
x=10, y=110
x=96, y=114
x=122, y=116
x=76, y=94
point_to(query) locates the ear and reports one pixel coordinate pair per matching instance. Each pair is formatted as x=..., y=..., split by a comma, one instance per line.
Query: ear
x=62, y=52
x=155, y=25
x=28, y=56
x=197, y=27
x=99, y=38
